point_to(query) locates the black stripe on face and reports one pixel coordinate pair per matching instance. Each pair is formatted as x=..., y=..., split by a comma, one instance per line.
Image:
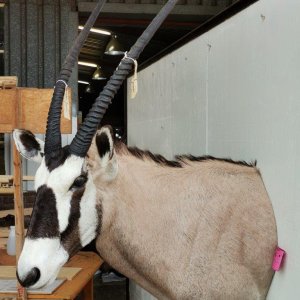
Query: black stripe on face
x=70, y=238
x=44, y=219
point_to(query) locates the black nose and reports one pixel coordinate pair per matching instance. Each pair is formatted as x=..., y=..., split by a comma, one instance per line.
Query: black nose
x=31, y=278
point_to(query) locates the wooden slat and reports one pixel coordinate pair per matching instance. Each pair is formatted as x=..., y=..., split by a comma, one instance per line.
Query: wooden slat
x=8, y=81
x=34, y=106
x=68, y=273
x=7, y=178
x=4, y=232
x=6, y=190
x=9, y=272
x=3, y=242
x=34, y=110
x=3, y=213
x=8, y=114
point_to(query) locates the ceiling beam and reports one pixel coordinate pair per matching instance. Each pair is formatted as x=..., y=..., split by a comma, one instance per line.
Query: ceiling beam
x=153, y=9
x=105, y=21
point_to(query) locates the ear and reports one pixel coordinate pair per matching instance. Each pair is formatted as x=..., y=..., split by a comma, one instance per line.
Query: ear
x=105, y=147
x=28, y=145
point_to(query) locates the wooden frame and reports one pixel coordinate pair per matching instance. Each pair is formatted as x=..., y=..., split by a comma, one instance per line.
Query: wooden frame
x=89, y=262
x=6, y=183
x=8, y=82
x=26, y=108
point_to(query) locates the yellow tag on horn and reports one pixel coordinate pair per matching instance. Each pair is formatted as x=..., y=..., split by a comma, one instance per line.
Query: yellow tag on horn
x=134, y=82
x=66, y=105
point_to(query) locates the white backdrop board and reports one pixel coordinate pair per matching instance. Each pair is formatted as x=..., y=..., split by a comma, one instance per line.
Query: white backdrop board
x=235, y=92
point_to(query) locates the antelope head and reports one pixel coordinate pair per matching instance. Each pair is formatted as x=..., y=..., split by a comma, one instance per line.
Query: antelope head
x=65, y=216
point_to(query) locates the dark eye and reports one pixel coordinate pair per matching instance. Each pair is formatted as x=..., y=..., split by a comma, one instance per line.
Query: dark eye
x=79, y=181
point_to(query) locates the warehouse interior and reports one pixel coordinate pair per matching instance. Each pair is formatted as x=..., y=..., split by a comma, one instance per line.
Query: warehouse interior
x=218, y=78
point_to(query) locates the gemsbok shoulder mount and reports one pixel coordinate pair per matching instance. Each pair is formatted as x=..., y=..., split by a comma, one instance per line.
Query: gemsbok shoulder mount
x=192, y=228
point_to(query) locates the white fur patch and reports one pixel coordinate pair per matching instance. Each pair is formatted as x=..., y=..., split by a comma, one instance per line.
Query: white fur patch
x=88, y=220
x=60, y=180
x=45, y=254
x=41, y=175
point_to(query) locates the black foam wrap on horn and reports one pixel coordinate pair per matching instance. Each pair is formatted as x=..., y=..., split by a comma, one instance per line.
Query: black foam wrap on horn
x=53, y=134
x=83, y=138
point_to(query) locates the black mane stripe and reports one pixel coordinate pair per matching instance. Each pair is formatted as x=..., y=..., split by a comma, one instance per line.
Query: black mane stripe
x=181, y=159
x=209, y=157
x=159, y=159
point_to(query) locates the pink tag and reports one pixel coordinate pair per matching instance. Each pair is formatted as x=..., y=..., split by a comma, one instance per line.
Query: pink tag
x=278, y=259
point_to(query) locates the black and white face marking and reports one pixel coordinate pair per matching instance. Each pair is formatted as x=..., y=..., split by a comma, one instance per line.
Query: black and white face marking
x=64, y=217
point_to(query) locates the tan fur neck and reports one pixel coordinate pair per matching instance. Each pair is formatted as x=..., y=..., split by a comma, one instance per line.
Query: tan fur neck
x=166, y=227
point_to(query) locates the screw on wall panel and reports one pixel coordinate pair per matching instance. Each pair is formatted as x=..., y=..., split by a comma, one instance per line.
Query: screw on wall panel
x=209, y=46
x=262, y=17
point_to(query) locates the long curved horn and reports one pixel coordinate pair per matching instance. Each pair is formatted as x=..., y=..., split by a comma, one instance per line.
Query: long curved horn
x=53, y=134
x=83, y=138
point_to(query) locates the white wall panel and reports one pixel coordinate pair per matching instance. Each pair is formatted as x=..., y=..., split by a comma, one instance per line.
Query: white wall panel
x=168, y=114
x=240, y=99
x=254, y=110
